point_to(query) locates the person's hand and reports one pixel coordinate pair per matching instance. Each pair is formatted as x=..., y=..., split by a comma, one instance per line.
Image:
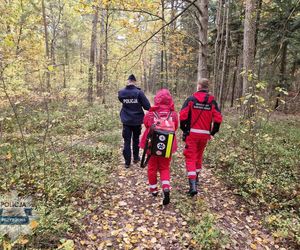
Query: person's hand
x=184, y=136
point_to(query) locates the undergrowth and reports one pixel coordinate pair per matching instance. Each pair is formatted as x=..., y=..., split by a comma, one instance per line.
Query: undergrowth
x=65, y=155
x=202, y=223
x=264, y=169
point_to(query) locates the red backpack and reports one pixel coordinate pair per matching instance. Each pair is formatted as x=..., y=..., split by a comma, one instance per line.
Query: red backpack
x=160, y=138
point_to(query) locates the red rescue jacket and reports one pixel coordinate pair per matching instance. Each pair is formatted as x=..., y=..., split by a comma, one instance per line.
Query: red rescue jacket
x=163, y=104
x=200, y=111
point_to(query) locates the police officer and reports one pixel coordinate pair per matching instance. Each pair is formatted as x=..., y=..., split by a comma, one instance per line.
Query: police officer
x=133, y=102
x=197, y=115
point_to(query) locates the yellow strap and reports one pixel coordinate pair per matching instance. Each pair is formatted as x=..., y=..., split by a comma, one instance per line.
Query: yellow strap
x=169, y=145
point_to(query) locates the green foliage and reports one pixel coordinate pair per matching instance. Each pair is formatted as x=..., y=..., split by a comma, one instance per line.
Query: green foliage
x=259, y=157
x=66, y=168
x=202, y=223
x=207, y=235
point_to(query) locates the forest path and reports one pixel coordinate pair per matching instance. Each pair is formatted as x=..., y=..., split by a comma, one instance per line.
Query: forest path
x=241, y=224
x=237, y=220
x=128, y=217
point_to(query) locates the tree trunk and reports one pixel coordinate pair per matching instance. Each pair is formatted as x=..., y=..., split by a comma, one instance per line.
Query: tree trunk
x=105, y=75
x=222, y=24
x=203, y=28
x=220, y=49
x=259, y=5
x=46, y=44
x=163, y=46
x=171, y=48
x=150, y=78
x=98, y=62
x=239, y=77
x=217, y=44
x=249, y=42
x=227, y=79
x=282, y=70
x=234, y=79
x=92, y=56
x=81, y=56
x=66, y=53
x=226, y=12
x=100, y=59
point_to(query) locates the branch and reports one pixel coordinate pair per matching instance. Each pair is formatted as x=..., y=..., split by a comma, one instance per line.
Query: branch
x=138, y=60
x=284, y=29
x=279, y=106
x=134, y=11
x=155, y=33
x=195, y=5
x=17, y=119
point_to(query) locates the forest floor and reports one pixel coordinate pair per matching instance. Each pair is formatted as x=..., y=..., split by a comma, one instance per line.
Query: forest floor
x=128, y=217
x=105, y=206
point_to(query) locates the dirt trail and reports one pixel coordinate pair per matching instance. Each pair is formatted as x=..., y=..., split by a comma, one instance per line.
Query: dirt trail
x=128, y=217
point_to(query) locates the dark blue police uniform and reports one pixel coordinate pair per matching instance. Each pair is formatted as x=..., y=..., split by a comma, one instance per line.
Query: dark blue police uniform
x=132, y=115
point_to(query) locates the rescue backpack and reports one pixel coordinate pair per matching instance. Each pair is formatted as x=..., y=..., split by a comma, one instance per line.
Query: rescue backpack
x=160, y=138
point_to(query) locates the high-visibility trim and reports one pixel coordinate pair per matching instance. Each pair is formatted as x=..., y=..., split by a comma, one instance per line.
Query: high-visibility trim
x=200, y=131
x=169, y=146
x=192, y=173
x=165, y=183
x=153, y=186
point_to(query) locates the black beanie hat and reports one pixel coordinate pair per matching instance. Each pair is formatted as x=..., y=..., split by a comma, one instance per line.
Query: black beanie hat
x=132, y=78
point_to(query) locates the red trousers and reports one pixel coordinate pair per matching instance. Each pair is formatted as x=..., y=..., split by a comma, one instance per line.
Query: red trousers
x=193, y=153
x=161, y=165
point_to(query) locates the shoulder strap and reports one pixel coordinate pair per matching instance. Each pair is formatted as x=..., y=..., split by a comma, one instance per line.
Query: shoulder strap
x=158, y=117
x=169, y=115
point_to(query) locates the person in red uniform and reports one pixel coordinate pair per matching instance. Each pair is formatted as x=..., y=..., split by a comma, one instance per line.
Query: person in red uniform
x=200, y=119
x=163, y=105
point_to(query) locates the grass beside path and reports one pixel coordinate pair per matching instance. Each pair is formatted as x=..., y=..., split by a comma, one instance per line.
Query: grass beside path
x=263, y=169
x=70, y=155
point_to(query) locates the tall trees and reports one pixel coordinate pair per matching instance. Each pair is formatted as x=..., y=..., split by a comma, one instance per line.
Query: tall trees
x=168, y=41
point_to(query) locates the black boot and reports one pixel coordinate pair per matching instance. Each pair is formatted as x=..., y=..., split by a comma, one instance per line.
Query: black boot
x=166, y=199
x=154, y=194
x=193, y=187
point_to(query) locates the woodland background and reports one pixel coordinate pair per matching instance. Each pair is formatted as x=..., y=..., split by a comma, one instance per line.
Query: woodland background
x=62, y=63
